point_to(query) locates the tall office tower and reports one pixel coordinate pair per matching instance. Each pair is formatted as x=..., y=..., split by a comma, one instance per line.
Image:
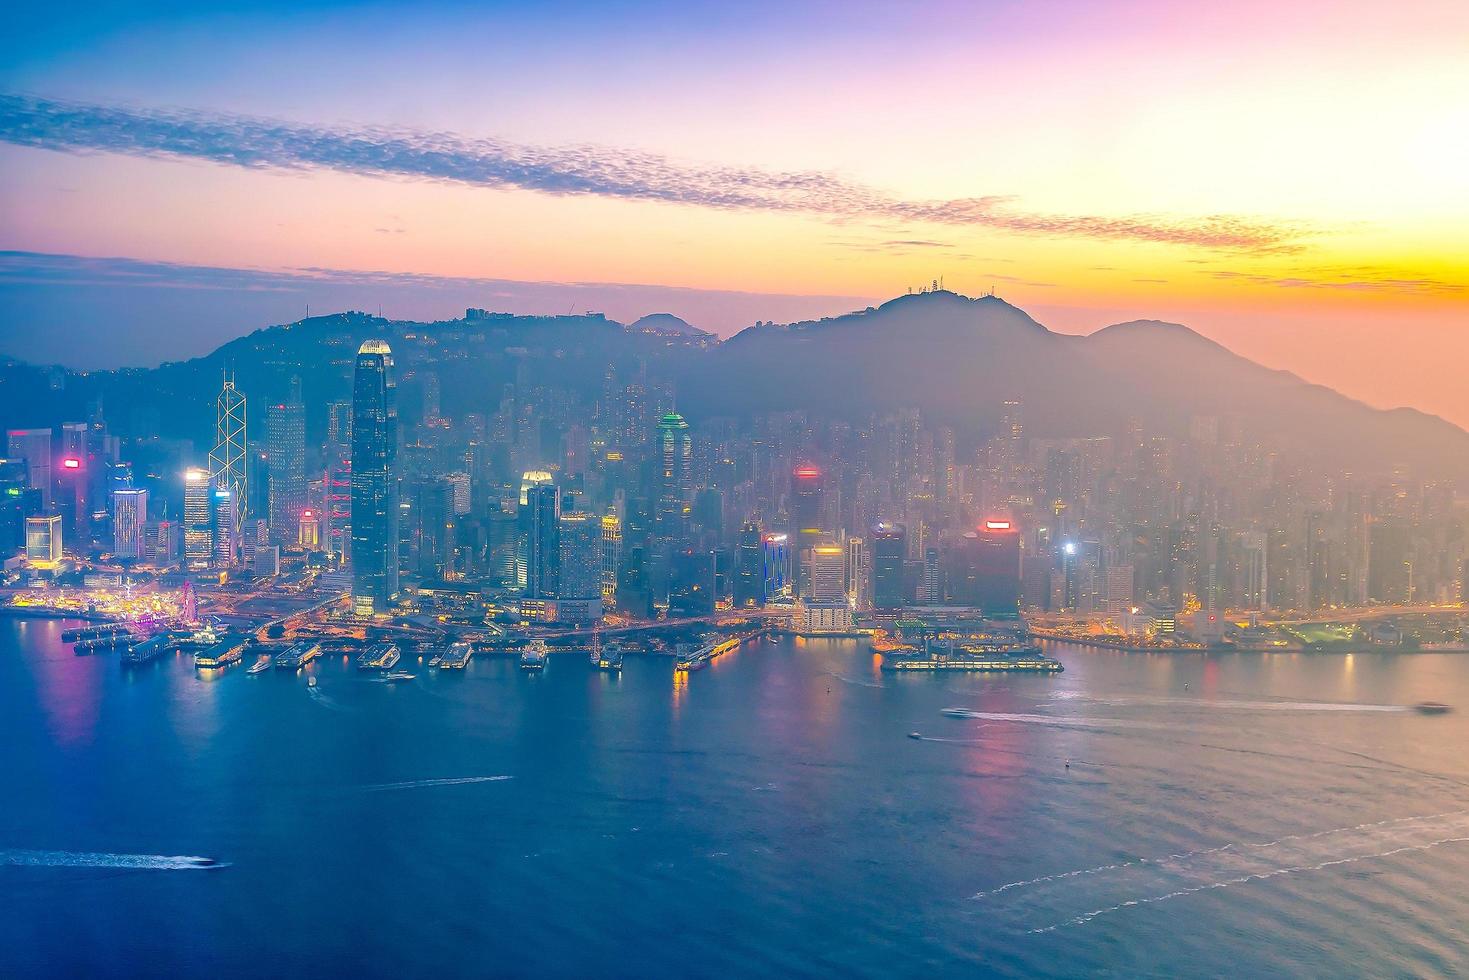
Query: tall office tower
x=1389, y=563
x=857, y=573
x=225, y=523
x=611, y=558
x=227, y=460
x=73, y=478
x=374, y=480
x=18, y=500
x=308, y=531
x=827, y=574
x=540, y=533
x=460, y=483
x=34, y=446
x=1012, y=436
x=808, y=490
x=1254, y=570
x=889, y=551
x=931, y=585
x=691, y=583
x=997, y=568
x=339, y=423
x=43, y=539
x=775, y=566
x=336, y=507
x=749, y=585
x=580, y=559
x=675, y=481
x=198, y=518
x=433, y=527
x=129, y=522
x=285, y=425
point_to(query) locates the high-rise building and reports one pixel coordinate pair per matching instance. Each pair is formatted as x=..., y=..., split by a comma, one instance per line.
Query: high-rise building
x=285, y=424
x=997, y=568
x=35, y=447
x=775, y=566
x=224, y=511
x=808, y=490
x=129, y=523
x=198, y=518
x=1254, y=570
x=889, y=550
x=857, y=573
x=827, y=574
x=676, y=458
x=749, y=584
x=374, y=479
x=227, y=460
x=308, y=531
x=43, y=539
x=540, y=534
x=611, y=558
x=580, y=556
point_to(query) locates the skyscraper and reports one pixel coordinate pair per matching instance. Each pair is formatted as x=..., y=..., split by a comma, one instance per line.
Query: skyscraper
x=580, y=556
x=129, y=522
x=611, y=558
x=285, y=426
x=540, y=533
x=227, y=460
x=374, y=480
x=889, y=549
x=808, y=488
x=749, y=586
x=676, y=455
x=997, y=568
x=198, y=518
x=34, y=446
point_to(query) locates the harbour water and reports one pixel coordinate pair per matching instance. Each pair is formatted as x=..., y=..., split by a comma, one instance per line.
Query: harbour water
x=1139, y=814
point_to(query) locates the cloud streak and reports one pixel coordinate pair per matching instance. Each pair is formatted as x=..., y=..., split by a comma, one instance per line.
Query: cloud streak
x=576, y=170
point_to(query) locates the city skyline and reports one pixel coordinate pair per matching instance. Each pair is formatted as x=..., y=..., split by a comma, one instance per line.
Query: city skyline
x=992, y=147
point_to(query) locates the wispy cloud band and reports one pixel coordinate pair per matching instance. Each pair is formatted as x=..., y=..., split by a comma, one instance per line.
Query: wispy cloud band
x=578, y=170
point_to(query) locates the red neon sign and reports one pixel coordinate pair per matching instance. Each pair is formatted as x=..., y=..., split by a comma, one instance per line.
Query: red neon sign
x=997, y=525
x=71, y=463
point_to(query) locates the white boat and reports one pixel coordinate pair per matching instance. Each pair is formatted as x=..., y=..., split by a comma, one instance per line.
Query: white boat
x=533, y=655
x=260, y=666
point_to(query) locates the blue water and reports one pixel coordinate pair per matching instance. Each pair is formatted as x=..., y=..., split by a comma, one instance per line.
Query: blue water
x=1245, y=814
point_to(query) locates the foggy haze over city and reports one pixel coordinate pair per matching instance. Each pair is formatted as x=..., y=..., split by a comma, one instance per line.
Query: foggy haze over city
x=658, y=490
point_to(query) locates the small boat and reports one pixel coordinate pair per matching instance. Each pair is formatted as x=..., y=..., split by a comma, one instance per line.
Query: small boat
x=398, y=675
x=259, y=666
x=960, y=713
x=311, y=681
x=1432, y=708
x=915, y=735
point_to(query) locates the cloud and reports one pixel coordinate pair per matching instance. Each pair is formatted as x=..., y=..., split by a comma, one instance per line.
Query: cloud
x=1359, y=279
x=576, y=170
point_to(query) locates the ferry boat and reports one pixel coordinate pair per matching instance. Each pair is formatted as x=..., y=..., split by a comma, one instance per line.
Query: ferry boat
x=261, y=665
x=609, y=659
x=222, y=654
x=960, y=713
x=697, y=657
x=379, y=656
x=457, y=656
x=1021, y=659
x=533, y=655
x=398, y=675
x=297, y=655
x=1432, y=708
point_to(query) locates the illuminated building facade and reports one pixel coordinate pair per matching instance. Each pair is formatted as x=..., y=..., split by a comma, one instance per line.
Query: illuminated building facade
x=374, y=480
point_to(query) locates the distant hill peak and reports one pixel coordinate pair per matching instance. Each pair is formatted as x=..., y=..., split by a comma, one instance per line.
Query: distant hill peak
x=666, y=323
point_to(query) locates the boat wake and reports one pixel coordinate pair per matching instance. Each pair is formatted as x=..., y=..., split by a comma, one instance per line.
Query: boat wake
x=90, y=859
x=856, y=681
x=423, y=783
x=1230, y=705
x=327, y=701
x=1060, y=721
x=1075, y=898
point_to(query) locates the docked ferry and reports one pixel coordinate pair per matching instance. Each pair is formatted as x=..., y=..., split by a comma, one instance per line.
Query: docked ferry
x=379, y=656
x=533, y=655
x=297, y=655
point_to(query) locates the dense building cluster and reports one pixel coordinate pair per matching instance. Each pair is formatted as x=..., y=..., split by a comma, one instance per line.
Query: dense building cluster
x=574, y=503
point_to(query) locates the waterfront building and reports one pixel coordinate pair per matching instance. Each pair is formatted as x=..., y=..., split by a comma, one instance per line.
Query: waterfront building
x=540, y=531
x=808, y=491
x=889, y=551
x=580, y=558
x=749, y=584
x=611, y=558
x=374, y=480
x=775, y=566
x=43, y=539
x=129, y=523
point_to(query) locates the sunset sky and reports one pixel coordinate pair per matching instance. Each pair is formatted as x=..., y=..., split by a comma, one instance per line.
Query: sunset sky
x=1291, y=179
